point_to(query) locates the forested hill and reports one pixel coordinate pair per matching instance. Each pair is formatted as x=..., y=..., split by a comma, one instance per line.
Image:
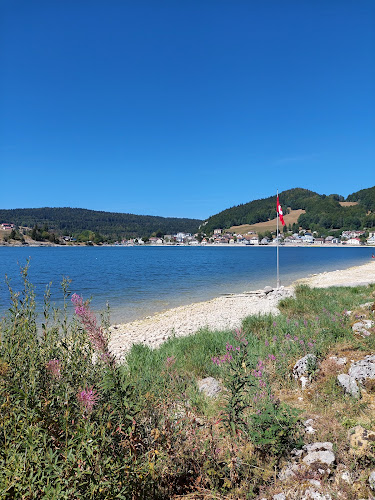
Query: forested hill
x=72, y=221
x=322, y=212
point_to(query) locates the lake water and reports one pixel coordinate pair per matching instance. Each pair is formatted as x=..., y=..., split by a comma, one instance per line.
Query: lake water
x=138, y=281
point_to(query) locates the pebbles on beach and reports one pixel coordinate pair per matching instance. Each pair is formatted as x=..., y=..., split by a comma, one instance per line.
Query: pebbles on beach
x=221, y=313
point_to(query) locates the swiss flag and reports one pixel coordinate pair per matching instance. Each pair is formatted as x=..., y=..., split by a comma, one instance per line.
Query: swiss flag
x=279, y=211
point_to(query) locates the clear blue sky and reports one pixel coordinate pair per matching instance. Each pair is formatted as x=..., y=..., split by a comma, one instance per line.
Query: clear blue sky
x=184, y=108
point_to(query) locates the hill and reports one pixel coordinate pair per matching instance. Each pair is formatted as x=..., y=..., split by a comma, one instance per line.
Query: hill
x=73, y=221
x=317, y=211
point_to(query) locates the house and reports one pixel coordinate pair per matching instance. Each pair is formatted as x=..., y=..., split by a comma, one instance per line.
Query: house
x=353, y=241
x=264, y=241
x=217, y=231
x=319, y=241
x=308, y=238
x=371, y=240
x=254, y=240
x=7, y=227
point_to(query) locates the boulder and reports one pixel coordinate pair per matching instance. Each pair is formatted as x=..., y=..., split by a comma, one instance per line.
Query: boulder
x=363, y=369
x=349, y=385
x=361, y=441
x=361, y=327
x=268, y=289
x=300, y=369
x=209, y=386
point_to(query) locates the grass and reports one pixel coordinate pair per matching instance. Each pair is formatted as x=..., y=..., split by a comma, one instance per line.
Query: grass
x=149, y=432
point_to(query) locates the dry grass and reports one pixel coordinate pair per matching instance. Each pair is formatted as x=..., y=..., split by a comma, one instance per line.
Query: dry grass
x=348, y=203
x=262, y=227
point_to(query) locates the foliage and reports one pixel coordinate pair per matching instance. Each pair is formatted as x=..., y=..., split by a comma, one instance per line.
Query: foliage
x=322, y=212
x=74, y=221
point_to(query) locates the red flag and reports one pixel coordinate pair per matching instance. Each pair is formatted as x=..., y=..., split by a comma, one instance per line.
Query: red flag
x=279, y=211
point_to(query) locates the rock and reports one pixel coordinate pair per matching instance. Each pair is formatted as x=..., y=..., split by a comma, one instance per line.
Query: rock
x=361, y=327
x=279, y=496
x=339, y=361
x=360, y=441
x=349, y=385
x=268, y=289
x=364, y=369
x=319, y=453
x=309, y=429
x=311, y=494
x=366, y=305
x=301, y=367
x=371, y=480
x=209, y=386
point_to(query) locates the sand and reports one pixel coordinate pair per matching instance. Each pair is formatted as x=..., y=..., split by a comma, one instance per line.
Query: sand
x=226, y=312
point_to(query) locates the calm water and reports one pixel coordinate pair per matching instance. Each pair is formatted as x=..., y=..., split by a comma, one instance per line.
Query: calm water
x=137, y=281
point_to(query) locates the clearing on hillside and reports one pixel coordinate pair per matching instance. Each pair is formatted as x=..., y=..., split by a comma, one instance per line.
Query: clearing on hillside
x=348, y=203
x=262, y=227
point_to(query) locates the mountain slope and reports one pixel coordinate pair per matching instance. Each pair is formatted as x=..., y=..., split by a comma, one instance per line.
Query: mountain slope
x=322, y=211
x=116, y=225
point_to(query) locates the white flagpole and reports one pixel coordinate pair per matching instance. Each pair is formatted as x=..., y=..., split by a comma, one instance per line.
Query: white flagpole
x=277, y=247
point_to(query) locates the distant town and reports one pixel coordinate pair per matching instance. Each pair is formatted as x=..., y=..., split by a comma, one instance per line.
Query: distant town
x=16, y=236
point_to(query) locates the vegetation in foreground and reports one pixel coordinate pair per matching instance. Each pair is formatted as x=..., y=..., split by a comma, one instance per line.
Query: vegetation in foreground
x=75, y=424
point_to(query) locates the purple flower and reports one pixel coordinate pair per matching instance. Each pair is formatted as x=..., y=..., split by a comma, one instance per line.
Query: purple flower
x=170, y=361
x=94, y=332
x=274, y=323
x=266, y=343
x=87, y=399
x=53, y=367
x=274, y=338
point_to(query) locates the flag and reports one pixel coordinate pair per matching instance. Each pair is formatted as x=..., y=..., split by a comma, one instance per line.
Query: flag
x=279, y=211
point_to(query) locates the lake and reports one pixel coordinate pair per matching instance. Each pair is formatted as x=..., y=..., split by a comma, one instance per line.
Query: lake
x=138, y=281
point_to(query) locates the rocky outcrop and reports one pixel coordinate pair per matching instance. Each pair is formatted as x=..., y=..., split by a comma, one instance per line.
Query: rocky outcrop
x=349, y=385
x=362, y=327
x=301, y=370
x=361, y=441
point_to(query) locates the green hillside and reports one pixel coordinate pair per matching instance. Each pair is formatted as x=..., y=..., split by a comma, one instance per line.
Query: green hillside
x=72, y=221
x=322, y=212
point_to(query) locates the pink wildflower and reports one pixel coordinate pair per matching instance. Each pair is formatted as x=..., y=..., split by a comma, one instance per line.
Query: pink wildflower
x=87, y=399
x=53, y=367
x=94, y=332
x=170, y=361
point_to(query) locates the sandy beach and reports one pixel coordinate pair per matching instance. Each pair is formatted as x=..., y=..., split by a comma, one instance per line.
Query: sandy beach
x=225, y=312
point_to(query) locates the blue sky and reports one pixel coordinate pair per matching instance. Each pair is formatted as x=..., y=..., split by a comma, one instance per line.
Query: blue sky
x=184, y=108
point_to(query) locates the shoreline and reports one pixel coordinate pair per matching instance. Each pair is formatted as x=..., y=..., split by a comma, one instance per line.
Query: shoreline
x=225, y=312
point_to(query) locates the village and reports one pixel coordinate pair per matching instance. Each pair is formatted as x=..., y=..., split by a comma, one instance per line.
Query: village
x=221, y=237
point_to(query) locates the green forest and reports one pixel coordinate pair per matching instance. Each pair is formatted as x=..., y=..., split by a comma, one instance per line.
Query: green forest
x=113, y=226
x=323, y=212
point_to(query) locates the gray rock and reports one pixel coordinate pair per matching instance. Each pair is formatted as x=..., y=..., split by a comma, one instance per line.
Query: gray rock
x=209, y=386
x=309, y=429
x=311, y=494
x=339, y=361
x=363, y=369
x=300, y=368
x=371, y=480
x=361, y=327
x=366, y=305
x=319, y=453
x=349, y=385
x=268, y=289
x=322, y=457
x=279, y=496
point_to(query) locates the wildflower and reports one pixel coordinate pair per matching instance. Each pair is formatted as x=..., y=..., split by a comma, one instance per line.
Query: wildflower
x=301, y=342
x=87, y=399
x=310, y=344
x=170, y=361
x=266, y=343
x=274, y=323
x=305, y=322
x=274, y=338
x=94, y=332
x=53, y=367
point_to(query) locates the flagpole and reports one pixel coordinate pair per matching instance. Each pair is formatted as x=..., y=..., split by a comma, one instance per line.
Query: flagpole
x=277, y=247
